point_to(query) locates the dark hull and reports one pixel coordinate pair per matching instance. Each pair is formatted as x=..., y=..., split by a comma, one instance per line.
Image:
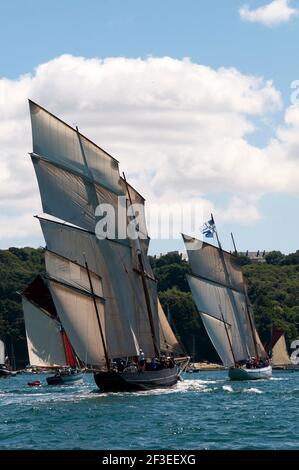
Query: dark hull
x=138, y=381
x=6, y=373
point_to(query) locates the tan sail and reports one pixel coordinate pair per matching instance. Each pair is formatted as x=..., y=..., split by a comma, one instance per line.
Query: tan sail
x=125, y=309
x=74, y=177
x=79, y=319
x=168, y=340
x=280, y=356
x=72, y=274
x=44, y=341
x=61, y=144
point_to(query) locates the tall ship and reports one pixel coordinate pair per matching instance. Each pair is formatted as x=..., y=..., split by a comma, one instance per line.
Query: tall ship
x=220, y=294
x=102, y=285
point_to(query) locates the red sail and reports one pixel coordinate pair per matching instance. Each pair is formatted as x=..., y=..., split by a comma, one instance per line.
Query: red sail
x=70, y=357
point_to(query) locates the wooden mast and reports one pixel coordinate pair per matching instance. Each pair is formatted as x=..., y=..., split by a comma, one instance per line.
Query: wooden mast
x=232, y=299
x=144, y=276
x=231, y=296
x=247, y=308
x=97, y=315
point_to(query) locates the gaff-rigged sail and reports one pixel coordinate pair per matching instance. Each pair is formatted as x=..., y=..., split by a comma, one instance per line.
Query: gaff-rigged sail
x=219, y=291
x=168, y=340
x=48, y=344
x=280, y=356
x=44, y=340
x=74, y=177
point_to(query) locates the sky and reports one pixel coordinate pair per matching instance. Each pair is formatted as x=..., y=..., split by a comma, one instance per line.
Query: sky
x=193, y=97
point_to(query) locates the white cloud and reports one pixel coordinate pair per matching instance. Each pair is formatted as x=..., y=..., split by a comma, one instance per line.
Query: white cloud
x=272, y=14
x=179, y=129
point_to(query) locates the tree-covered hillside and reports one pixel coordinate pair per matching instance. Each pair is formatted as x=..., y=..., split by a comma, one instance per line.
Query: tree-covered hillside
x=273, y=290
x=17, y=268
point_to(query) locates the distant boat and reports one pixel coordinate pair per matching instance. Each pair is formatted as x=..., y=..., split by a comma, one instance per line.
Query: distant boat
x=48, y=344
x=280, y=357
x=4, y=368
x=219, y=291
x=103, y=287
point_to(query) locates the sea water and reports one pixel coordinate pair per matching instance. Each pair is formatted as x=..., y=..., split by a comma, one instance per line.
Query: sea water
x=205, y=411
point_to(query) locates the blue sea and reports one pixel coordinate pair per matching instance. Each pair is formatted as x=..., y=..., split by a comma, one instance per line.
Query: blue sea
x=205, y=411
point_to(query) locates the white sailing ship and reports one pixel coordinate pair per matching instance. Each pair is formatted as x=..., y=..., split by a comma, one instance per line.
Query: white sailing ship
x=219, y=291
x=103, y=289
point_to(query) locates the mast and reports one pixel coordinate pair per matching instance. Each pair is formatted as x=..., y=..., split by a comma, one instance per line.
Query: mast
x=245, y=292
x=227, y=334
x=251, y=323
x=247, y=308
x=144, y=284
x=71, y=359
x=231, y=296
x=12, y=355
x=97, y=315
x=233, y=240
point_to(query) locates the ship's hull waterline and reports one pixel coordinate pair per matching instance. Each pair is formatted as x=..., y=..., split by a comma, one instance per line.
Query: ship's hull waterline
x=240, y=373
x=136, y=381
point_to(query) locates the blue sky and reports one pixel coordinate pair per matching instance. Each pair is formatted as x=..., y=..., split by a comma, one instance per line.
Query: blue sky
x=210, y=32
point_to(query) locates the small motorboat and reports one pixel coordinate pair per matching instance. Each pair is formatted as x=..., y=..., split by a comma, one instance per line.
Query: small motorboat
x=35, y=383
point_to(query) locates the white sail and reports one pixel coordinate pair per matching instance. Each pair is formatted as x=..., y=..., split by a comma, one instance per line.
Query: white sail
x=2, y=353
x=59, y=143
x=44, y=341
x=206, y=262
x=168, y=340
x=219, y=333
x=215, y=301
x=78, y=316
x=280, y=356
x=219, y=291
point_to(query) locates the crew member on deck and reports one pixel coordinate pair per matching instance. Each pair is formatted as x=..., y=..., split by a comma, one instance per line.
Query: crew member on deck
x=141, y=360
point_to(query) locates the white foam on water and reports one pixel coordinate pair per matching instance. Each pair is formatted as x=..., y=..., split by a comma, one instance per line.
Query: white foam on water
x=227, y=388
x=253, y=390
x=279, y=378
